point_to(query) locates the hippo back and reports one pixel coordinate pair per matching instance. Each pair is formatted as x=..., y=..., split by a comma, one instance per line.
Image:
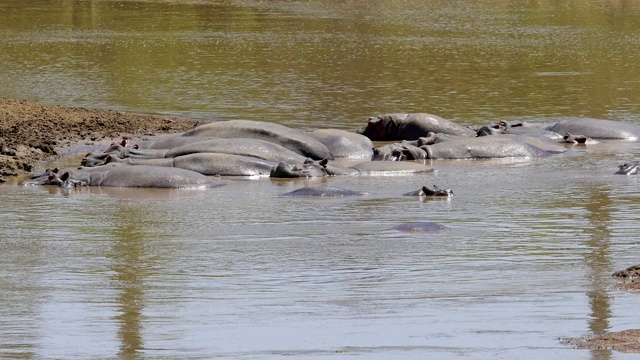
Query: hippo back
x=344, y=144
x=292, y=139
x=151, y=177
x=597, y=129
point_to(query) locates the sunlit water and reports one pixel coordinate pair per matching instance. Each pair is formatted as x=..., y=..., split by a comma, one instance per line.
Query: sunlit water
x=241, y=272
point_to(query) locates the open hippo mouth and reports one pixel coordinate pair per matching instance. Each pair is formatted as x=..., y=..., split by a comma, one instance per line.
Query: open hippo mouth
x=628, y=168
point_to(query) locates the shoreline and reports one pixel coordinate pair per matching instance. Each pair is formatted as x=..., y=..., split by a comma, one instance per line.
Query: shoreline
x=32, y=132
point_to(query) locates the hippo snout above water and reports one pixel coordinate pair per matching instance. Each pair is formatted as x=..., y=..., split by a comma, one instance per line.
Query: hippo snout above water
x=431, y=191
x=628, y=168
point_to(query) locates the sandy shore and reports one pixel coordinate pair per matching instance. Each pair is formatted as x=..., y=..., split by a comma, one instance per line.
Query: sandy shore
x=32, y=132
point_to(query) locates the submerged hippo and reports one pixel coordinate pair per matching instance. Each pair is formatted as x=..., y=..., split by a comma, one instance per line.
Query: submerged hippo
x=628, y=168
x=431, y=191
x=424, y=226
x=410, y=127
x=324, y=191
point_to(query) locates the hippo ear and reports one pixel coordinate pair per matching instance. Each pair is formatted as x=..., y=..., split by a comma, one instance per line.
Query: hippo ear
x=376, y=120
x=55, y=170
x=107, y=159
x=308, y=161
x=324, y=162
x=64, y=176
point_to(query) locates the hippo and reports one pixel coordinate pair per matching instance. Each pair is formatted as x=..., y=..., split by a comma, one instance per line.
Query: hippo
x=597, y=129
x=428, y=191
x=324, y=191
x=291, y=139
x=344, y=144
x=496, y=146
x=628, y=168
x=308, y=168
x=311, y=168
x=410, y=127
x=239, y=146
x=534, y=132
x=127, y=176
x=398, y=152
x=578, y=139
x=116, y=152
x=172, y=141
x=391, y=168
x=210, y=164
x=424, y=226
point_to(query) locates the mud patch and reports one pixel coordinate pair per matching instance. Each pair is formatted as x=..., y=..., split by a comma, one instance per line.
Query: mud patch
x=627, y=341
x=32, y=132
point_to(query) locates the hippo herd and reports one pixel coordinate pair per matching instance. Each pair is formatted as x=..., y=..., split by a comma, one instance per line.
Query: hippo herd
x=198, y=157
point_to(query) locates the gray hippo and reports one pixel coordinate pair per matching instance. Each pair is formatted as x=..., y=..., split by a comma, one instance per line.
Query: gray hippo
x=210, y=164
x=344, y=144
x=291, y=139
x=324, y=191
x=578, y=139
x=423, y=226
x=115, y=152
x=628, y=168
x=410, y=127
x=399, y=152
x=127, y=176
x=247, y=147
x=308, y=168
x=238, y=146
x=311, y=168
x=172, y=141
x=431, y=191
x=496, y=146
x=597, y=129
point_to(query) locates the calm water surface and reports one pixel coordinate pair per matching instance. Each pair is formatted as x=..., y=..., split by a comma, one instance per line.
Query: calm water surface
x=240, y=272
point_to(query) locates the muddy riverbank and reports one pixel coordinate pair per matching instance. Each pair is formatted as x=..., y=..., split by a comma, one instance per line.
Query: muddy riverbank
x=31, y=132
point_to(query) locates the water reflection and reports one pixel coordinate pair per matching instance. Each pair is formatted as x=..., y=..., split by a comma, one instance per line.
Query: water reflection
x=599, y=206
x=326, y=64
x=128, y=256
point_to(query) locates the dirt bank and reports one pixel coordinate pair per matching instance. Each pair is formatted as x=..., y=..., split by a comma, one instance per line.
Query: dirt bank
x=31, y=132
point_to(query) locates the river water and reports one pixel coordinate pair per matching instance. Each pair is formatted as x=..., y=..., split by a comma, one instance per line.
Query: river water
x=240, y=272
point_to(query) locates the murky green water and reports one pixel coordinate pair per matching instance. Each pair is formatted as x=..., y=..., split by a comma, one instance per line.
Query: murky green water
x=240, y=272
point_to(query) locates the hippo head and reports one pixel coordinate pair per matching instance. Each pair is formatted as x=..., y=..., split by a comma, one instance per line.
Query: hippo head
x=66, y=182
x=97, y=159
x=309, y=168
x=575, y=139
x=489, y=130
x=47, y=178
x=435, y=191
x=382, y=127
x=628, y=168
